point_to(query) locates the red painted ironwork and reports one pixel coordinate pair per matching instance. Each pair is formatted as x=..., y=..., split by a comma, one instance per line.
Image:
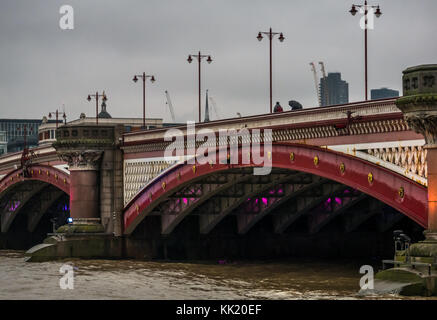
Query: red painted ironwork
x=43, y=173
x=348, y=170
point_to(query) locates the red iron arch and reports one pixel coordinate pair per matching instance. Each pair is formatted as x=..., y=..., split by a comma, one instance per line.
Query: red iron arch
x=397, y=191
x=43, y=173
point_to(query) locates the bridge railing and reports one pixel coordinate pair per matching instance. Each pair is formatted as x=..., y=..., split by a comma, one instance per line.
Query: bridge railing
x=11, y=161
x=305, y=118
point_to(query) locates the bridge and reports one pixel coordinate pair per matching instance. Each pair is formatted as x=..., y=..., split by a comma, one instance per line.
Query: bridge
x=339, y=176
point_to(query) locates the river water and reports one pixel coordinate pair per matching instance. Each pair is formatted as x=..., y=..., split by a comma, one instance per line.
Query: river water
x=133, y=279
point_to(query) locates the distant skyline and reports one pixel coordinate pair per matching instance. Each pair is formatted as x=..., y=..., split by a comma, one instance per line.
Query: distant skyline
x=333, y=90
x=43, y=67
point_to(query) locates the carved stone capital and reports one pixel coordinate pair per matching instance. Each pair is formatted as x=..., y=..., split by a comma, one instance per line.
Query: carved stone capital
x=419, y=103
x=425, y=124
x=82, y=159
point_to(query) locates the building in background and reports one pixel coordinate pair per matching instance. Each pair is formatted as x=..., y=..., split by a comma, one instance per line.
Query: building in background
x=14, y=129
x=3, y=143
x=383, y=93
x=41, y=132
x=333, y=90
x=47, y=131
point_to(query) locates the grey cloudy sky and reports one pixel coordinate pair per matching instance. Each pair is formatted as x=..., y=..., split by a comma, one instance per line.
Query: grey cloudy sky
x=43, y=67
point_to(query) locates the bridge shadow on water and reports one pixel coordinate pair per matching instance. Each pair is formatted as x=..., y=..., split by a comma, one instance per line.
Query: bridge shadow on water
x=372, y=240
x=20, y=237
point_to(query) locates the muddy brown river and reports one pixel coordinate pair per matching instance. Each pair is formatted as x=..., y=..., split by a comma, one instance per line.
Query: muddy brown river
x=132, y=279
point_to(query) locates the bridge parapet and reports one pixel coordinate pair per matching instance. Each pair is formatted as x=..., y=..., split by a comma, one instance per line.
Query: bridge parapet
x=44, y=155
x=378, y=116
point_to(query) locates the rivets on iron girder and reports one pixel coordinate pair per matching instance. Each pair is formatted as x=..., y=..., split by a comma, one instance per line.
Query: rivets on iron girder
x=342, y=168
x=194, y=169
x=370, y=177
x=291, y=156
x=401, y=192
x=316, y=160
x=163, y=186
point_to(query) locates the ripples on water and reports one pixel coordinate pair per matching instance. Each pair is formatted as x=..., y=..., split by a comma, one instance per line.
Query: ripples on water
x=132, y=279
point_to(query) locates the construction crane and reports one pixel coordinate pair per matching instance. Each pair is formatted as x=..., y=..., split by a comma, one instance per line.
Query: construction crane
x=316, y=82
x=170, y=106
x=322, y=68
x=325, y=91
x=214, y=107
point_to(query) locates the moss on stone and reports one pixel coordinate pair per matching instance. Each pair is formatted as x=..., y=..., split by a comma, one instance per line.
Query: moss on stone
x=424, y=259
x=80, y=228
x=424, y=98
x=63, y=143
x=424, y=249
x=50, y=240
x=399, y=275
x=83, y=247
x=415, y=289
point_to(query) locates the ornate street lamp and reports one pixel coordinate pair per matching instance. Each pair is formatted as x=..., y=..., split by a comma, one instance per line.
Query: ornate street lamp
x=144, y=77
x=353, y=11
x=199, y=59
x=64, y=116
x=281, y=38
x=96, y=96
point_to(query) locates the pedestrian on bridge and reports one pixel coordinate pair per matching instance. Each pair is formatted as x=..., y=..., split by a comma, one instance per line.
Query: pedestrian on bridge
x=277, y=107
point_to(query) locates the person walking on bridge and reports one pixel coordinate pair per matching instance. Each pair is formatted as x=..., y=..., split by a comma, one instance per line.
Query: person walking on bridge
x=277, y=107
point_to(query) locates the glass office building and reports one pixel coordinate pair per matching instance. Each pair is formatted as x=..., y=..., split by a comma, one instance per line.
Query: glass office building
x=333, y=90
x=3, y=143
x=14, y=130
x=383, y=93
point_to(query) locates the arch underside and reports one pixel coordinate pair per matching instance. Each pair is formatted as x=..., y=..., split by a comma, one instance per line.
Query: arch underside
x=298, y=188
x=25, y=200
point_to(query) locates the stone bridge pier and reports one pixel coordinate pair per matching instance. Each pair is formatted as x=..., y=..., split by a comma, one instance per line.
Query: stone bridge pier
x=96, y=198
x=95, y=164
x=416, y=271
x=419, y=106
x=84, y=166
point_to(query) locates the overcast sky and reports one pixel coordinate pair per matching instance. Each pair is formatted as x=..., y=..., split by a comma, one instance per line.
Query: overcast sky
x=43, y=67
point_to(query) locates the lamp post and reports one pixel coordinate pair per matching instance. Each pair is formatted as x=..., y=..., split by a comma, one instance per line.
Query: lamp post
x=25, y=133
x=64, y=116
x=271, y=35
x=353, y=11
x=25, y=155
x=199, y=59
x=96, y=96
x=144, y=77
